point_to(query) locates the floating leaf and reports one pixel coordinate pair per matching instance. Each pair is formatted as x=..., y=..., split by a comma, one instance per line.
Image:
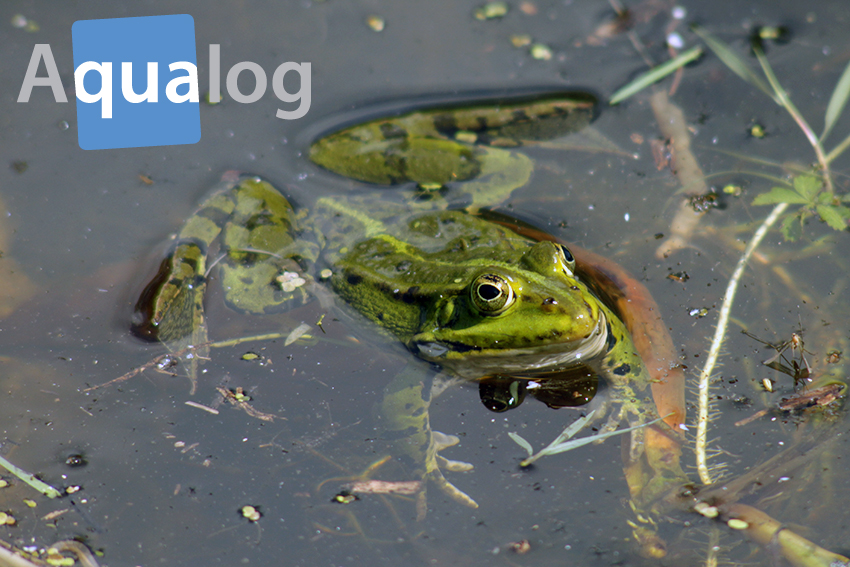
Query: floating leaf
x=656, y=74
x=735, y=63
x=780, y=195
x=833, y=216
x=837, y=102
x=296, y=334
x=807, y=186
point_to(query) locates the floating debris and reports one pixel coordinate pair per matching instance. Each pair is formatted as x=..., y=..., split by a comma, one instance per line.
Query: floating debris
x=521, y=40
x=76, y=460
x=376, y=23
x=384, y=487
x=521, y=547
x=22, y=22
x=491, y=11
x=541, y=52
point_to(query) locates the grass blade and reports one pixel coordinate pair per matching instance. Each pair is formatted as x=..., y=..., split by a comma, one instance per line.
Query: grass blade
x=837, y=102
x=735, y=63
x=521, y=442
x=656, y=74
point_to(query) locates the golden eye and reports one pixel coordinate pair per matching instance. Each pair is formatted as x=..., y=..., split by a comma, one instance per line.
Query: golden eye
x=491, y=294
x=568, y=259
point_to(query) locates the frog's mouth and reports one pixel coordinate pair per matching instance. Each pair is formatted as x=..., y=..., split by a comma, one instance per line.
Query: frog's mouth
x=471, y=361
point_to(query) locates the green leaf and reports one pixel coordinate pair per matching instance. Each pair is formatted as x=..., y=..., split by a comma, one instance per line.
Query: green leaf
x=792, y=228
x=735, y=63
x=521, y=442
x=807, y=186
x=837, y=102
x=655, y=74
x=833, y=217
x=780, y=195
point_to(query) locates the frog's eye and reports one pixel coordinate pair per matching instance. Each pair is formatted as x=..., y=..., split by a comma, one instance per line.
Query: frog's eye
x=491, y=294
x=567, y=258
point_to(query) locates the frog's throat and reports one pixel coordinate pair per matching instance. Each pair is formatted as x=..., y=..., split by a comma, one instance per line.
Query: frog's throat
x=473, y=362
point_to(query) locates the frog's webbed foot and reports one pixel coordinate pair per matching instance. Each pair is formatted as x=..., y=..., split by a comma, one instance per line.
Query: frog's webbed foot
x=442, y=441
x=434, y=473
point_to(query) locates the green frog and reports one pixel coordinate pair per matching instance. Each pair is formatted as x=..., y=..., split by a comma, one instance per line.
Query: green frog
x=474, y=297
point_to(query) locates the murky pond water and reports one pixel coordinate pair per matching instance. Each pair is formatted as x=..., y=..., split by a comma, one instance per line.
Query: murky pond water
x=164, y=482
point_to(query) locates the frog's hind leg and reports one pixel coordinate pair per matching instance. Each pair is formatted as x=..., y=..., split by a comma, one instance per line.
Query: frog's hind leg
x=404, y=413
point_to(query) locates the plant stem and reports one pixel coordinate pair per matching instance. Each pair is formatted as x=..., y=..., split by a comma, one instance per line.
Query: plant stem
x=785, y=101
x=838, y=150
x=704, y=380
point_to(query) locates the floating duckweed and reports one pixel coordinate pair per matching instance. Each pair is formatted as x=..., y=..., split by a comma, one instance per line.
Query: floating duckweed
x=7, y=519
x=30, y=503
x=757, y=131
x=345, y=497
x=734, y=190
x=466, y=136
x=737, y=524
x=326, y=274
x=251, y=513
x=73, y=489
x=376, y=23
x=250, y=356
x=3, y=483
x=706, y=510
x=491, y=10
x=290, y=281
x=541, y=52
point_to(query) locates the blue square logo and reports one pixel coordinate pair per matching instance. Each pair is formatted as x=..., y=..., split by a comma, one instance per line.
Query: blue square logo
x=136, y=81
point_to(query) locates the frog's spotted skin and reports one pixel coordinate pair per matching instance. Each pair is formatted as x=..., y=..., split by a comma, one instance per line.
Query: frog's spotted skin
x=467, y=294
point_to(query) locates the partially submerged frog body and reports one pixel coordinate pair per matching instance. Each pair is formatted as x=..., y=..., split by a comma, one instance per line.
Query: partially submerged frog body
x=470, y=295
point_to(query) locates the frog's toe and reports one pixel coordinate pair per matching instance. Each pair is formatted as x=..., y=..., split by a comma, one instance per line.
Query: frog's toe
x=454, y=466
x=450, y=489
x=443, y=440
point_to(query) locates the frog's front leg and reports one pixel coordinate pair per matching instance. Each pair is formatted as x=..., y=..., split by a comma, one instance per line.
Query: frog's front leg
x=404, y=416
x=253, y=228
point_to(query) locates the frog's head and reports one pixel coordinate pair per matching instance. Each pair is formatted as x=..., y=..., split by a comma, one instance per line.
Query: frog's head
x=526, y=317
